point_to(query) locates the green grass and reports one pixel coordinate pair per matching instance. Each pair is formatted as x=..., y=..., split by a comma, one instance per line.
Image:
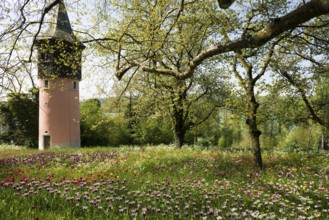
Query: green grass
x=161, y=183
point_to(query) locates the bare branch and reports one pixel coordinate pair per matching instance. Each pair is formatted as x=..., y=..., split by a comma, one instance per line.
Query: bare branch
x=191, y=124
x=127, y=85
x=46, y=10
x=237, y=74
x=268, y=58
x=308, y=105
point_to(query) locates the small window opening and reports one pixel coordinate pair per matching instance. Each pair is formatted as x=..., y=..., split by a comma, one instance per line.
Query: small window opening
x=44, y=56
x=74, y=85
x=46, y=84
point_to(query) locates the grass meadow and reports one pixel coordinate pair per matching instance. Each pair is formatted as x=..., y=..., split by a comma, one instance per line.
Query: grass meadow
x=161, y=183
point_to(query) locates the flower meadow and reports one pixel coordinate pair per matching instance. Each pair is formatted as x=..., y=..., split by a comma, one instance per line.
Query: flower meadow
x=162, y=183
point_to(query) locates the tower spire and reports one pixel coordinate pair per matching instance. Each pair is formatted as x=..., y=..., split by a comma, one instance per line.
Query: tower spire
x=60, y=27
x=63, y=21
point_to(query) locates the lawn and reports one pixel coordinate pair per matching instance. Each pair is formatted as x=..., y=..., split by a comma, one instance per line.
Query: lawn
x=161, y=183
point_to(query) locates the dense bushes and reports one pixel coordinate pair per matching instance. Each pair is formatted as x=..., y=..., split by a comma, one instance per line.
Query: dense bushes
x=19, y=119
x=101, y=126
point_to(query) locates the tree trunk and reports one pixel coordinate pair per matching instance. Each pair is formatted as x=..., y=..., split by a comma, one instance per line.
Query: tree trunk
x=271, y=133
x=253, y=129
x=324, y=140
x=179, y=138
x=254, y=135
x=179, y=129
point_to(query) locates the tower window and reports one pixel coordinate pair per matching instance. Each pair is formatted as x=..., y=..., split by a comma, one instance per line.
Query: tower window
x=44, y=57
x=74, y=85
x=46, y=84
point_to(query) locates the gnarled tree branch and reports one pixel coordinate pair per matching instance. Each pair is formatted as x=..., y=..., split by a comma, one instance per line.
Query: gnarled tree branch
x=302, y=14
x=308, y=105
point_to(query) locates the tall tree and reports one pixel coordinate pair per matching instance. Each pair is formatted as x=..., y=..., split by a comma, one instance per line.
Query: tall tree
x=189, y=35
x=248, y=79
x=187, y=103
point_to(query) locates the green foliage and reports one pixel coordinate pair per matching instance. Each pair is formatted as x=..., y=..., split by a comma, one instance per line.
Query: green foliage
x=119, y=131
x=226, y=138
x=153, y=132
x=302, y=139
x=231, y=131
x=19, y=119
x=94, y=124
x=103, y=129
x=178, y=105
x=170, y=32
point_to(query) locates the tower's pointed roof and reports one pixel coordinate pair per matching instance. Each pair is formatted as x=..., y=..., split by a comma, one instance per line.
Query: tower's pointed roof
x=63, y=22
x=60, y=26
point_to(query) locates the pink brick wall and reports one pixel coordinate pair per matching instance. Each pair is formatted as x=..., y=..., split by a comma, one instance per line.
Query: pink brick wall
x=59, y=114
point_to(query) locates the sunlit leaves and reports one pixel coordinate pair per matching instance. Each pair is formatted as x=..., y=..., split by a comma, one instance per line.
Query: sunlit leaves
x=167, y=32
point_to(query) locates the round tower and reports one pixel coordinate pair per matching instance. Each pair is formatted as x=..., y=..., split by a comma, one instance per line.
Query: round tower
x=59, y=73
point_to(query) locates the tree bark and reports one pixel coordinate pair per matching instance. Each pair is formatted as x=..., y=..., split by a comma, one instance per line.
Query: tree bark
x=179, y=136
x=248, y=84
x=324, y=139
x=179, y=130
x=254, y=132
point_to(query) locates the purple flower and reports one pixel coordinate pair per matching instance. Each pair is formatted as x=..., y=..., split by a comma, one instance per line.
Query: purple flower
x=144, y=210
